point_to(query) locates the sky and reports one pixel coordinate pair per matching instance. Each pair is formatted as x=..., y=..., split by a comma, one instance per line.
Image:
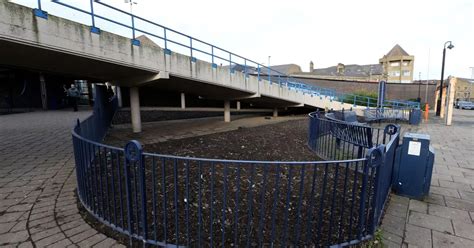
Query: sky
x=325, y=32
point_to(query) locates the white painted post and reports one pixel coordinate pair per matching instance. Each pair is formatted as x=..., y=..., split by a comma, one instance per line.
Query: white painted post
x=449, y=108
x=275, y=112
x=227, y=111
x=238, y=105
x=135, y=110
x=183, y=100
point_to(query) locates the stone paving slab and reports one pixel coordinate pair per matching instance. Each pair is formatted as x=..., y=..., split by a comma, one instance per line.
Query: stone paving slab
x=37, y=178
x=37, y=182
x=445, y=217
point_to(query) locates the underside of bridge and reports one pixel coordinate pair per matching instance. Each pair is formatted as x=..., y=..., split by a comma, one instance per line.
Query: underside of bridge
x=41, y=55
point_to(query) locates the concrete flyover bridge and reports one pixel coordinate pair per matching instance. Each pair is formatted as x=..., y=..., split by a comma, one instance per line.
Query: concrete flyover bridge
x=35, y=39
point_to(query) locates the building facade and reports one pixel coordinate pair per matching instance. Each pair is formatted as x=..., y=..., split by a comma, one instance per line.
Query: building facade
x=398, y=65
x=395, y=67
x=464, y=89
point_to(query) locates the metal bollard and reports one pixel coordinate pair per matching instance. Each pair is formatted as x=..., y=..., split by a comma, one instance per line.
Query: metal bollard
x=427, y=110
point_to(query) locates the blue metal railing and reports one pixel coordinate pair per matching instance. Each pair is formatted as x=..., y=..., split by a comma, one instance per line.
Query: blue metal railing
x=402, y=114
x=247, y=66
x=332, y=139
x=164, y=200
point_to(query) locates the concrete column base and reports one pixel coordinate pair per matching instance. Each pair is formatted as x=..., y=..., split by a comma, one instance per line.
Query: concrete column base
x=226, y=111
x=275, y=112
x=238, y=105
x=135, y=110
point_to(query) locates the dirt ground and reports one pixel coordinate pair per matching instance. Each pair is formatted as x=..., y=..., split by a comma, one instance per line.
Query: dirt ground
x=277, y=142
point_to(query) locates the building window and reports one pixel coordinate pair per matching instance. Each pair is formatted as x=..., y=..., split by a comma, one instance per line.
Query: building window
x=406, y=73
x=394, y=73
x=406, y=63
x=395, y=64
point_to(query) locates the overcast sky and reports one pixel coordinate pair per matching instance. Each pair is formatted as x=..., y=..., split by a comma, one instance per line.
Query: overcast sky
x=326, y=32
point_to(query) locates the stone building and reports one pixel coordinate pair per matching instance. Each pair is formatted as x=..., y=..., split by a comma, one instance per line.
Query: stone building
x=395, y=67
x=398, y=65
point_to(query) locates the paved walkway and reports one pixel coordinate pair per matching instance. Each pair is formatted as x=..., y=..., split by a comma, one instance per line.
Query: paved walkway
x=37, y=182
x=445, y=218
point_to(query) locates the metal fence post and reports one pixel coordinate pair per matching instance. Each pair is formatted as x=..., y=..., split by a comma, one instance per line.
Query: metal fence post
x=39, y=12
x=269, y=79
x=212, y=54
x=245, y=68
x=164, y=36
x=133, y=155
x=363, y=198
x=258, y=72
x=375, y=158
x=191, y=46
x=92, y=13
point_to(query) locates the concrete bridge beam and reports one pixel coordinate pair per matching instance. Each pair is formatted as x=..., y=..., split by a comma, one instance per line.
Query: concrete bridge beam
x=135, y=110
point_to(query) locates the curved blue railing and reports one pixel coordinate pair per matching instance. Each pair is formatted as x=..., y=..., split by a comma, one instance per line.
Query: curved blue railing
x=247, y=66
x=171, y=200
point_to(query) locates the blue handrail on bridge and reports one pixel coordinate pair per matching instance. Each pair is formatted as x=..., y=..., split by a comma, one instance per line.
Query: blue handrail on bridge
x=248, y=65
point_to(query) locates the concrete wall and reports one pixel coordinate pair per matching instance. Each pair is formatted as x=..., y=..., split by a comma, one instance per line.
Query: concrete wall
x=394, y=90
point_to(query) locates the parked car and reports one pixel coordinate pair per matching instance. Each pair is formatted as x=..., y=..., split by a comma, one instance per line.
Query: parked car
x=464, y=105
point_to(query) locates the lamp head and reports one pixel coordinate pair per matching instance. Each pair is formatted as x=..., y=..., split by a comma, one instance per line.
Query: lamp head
x=450, y=45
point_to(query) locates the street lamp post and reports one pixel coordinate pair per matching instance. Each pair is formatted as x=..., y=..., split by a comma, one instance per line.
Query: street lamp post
x=438, y=108
x=131, y=2
x=419, y=88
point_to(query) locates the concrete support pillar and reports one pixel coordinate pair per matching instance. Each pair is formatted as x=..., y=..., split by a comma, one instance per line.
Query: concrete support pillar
x=238, y=105
x=135, y=110
x=227, y=111
x=450, y=105
x=436, y=100
x=44, y=94
x=183, y=101
x=118, y=93
x=275, y=112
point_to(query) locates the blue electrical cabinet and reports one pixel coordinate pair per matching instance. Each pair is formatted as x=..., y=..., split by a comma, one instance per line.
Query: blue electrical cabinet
x=414, y=161
x=415, y=117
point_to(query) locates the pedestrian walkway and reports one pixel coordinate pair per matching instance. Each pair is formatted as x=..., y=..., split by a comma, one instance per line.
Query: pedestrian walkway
x=445, y=218
x=37, y=183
